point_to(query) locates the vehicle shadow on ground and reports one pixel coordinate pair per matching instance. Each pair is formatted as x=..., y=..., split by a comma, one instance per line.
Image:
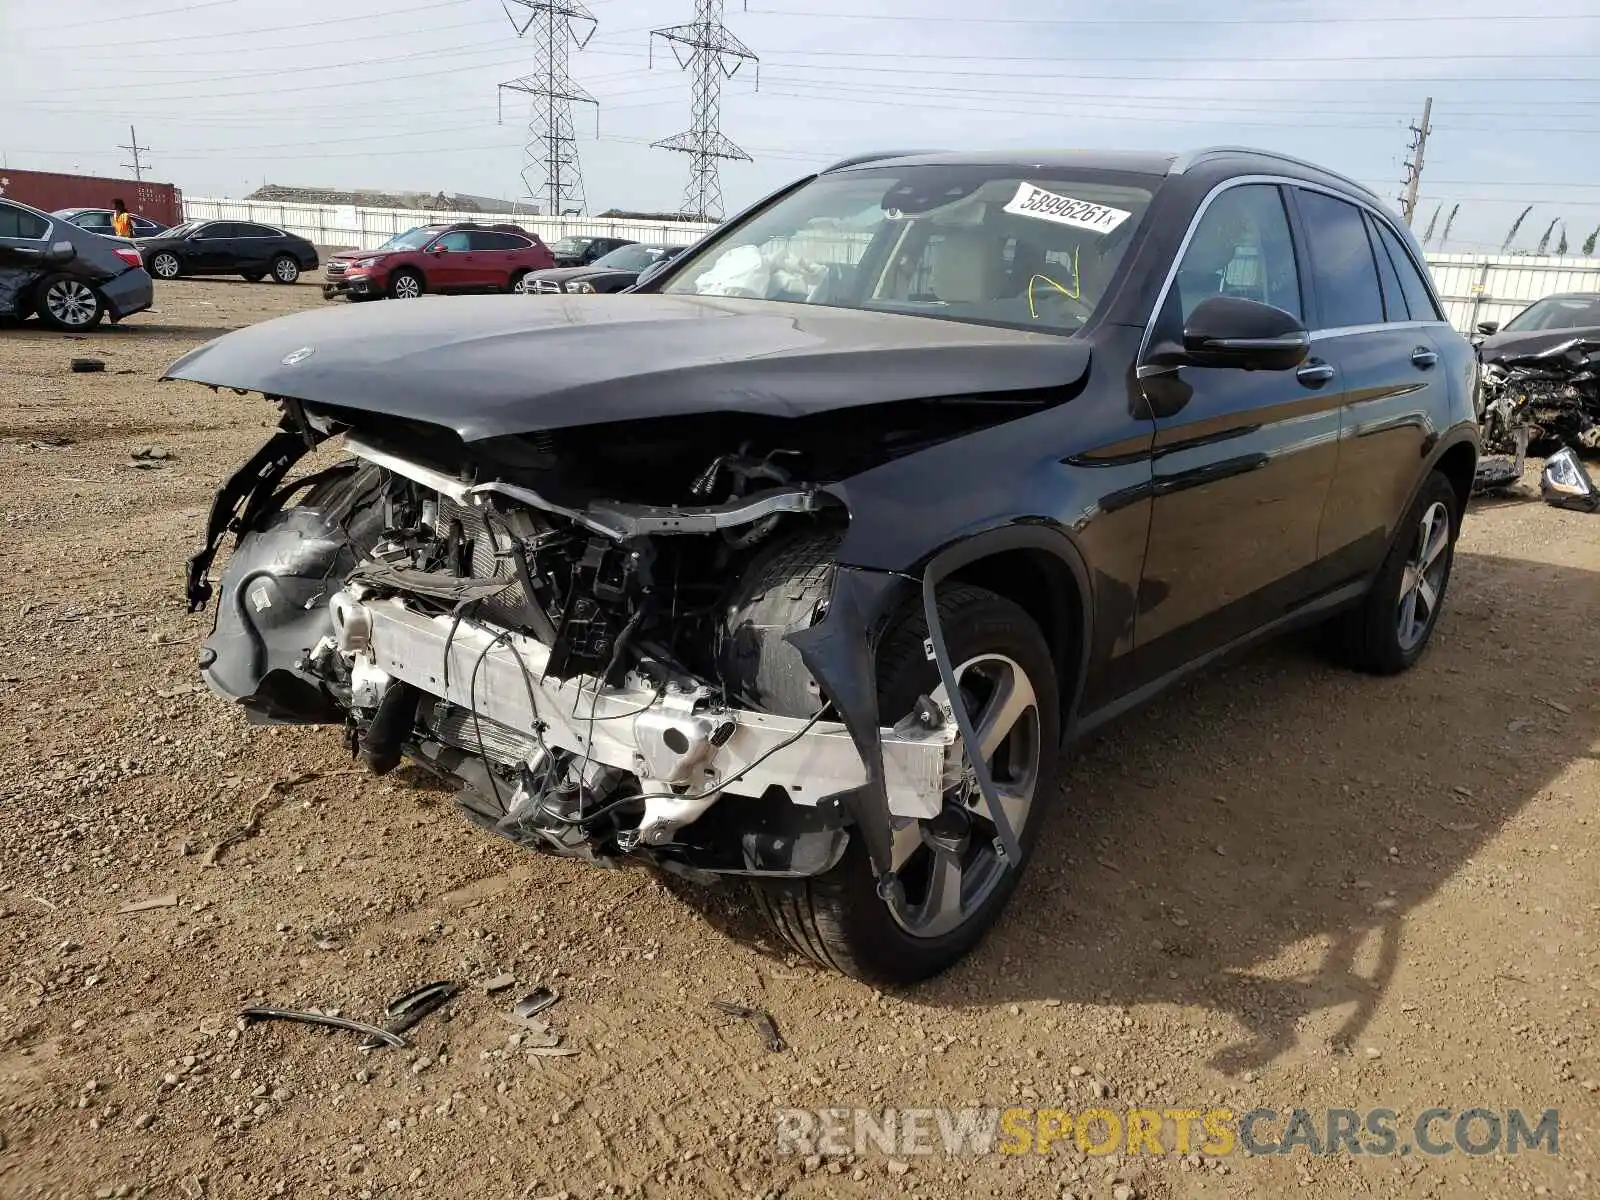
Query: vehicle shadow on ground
x=1280, y=802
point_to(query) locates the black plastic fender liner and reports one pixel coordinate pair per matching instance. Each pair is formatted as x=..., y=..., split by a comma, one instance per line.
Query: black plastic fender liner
x=839, y=652
x=241, y=497
x=946, y=563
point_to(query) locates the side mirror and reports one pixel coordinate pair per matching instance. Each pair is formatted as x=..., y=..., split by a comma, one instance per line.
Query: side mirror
x=1229, y=331
x=60, y=252
x=437, y=249
x=1488, y=328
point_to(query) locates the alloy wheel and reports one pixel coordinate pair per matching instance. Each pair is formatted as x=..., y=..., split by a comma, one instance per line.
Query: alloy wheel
x=71, y=302
x=946, y=884
x=1422, y=581
x=407, y=288
x=166, y=266
x=286, y=270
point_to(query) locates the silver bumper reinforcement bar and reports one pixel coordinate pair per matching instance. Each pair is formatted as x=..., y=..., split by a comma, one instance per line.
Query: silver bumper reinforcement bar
x=682, y=741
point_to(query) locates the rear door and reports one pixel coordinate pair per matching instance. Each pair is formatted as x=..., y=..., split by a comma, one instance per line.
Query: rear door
x=255, y=246
x=24, y=237
x=494, y=257
x=1382, y=329
x=1243, y=459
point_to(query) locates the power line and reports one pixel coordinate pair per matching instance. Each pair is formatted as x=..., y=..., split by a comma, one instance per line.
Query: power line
x=194, y=37
x=144, y=16
x=712, y=46
x=1431, y=18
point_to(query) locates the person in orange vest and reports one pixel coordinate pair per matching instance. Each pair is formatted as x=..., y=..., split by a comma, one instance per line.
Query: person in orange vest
x=121, y=221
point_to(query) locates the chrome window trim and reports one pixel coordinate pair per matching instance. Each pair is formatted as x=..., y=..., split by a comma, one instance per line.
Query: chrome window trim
x=1279, y=181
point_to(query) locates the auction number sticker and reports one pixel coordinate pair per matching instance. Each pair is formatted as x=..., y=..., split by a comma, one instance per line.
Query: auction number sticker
x=1031, y=201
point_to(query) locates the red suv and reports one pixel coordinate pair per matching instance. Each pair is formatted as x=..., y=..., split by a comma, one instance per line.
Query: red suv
x=438, y=258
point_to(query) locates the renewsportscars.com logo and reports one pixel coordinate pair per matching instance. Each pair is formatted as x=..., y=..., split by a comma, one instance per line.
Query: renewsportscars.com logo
x=840, y=1132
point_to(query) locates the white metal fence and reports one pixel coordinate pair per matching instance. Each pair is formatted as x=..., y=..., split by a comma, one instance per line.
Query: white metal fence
x=1495, y=287
x=1474, y=287
x=345, y=226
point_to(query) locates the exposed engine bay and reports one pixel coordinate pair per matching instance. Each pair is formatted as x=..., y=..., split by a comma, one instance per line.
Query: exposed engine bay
x=596, y=677
x=1550, y=399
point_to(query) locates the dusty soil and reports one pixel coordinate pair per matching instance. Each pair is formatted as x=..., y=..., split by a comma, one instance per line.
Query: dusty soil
x=1282, y=885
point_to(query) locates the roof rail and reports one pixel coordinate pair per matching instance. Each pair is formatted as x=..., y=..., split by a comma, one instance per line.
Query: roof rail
x=855, y=160
x=1194, y=157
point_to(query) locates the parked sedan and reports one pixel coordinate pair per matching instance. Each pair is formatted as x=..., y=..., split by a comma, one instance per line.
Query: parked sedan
x=70, y=277
x=98, y=220
x=1543, y=324
x=228, y=248
x=611, y=273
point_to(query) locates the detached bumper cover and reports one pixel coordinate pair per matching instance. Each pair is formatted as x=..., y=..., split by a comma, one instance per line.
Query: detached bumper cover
x=131, y=292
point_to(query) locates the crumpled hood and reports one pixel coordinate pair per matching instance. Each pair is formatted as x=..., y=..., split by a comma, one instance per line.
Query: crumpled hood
x=492, y=366
x=1502, y=346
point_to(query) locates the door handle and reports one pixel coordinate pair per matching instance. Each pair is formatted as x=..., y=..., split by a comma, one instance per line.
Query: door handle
x=1423, y=358
x=1315, y=373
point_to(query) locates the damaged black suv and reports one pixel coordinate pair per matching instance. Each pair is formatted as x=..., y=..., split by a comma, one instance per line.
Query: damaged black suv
x=804, y=561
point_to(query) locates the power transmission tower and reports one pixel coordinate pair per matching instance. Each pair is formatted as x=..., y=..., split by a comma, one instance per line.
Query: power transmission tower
x=551, y=171
x=711, y=47
x=1419, y=142
x=133, y=148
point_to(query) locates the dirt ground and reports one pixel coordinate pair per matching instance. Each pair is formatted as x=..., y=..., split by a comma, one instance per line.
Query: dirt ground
x=1282, y=885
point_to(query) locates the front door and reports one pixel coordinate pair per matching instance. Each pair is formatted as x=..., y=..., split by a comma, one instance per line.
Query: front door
x=1243, y=459
x=209, y=249
x=451, y=262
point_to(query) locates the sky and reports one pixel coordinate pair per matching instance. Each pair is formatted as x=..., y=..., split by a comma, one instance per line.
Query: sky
x=229, y=94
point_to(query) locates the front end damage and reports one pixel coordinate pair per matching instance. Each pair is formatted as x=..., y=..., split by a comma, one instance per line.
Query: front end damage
x=590, y=675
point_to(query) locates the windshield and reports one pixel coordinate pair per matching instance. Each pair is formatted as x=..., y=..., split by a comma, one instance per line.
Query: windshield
x=183, y=229
x=629, y=258
x=411, y=239
x=1557, y=312
x=978, y=243
x=572, y=245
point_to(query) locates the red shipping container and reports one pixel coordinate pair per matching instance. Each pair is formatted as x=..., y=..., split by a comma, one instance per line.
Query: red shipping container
x=50, y=191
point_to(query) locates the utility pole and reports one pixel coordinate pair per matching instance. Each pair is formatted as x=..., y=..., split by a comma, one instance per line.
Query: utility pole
x=1419, y=143
x=711, y=47
x=133, y=148
x=551, y=171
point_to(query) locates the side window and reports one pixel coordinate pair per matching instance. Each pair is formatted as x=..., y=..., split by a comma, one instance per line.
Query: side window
x=95, y=222
x=1342, y=266
x=495, y=241
x=1241, y=247
x=1394, y=299
x=253, y=231
x=20, y=223
x=1418, y=299
x=215, y=231
x=455, y=242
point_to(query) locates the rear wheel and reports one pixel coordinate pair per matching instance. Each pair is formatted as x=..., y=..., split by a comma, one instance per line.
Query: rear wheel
x=406, y=285
x=165, y=265
x=285, y=269
x=956, y=883
x=69, y=304
x=1393, y=625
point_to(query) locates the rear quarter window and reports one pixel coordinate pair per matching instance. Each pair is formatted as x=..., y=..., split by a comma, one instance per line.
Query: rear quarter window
x=20, y=223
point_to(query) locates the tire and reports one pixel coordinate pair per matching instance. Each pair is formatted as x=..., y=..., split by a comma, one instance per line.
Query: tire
x=69, y=304
x=1382, y=636
x=165, y=265
x=284, y=269
x=254, y=277
x=837, y=918
x=406, y=285
x=516, y=285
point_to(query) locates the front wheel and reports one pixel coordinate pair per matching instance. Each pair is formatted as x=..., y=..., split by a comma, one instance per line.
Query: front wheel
x=406, y=285
x=285, y=269
x=1391, y=628
x=165, y=265
x=254, y=277
x=519, y=284
x=956, y=881
x=69, y=304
